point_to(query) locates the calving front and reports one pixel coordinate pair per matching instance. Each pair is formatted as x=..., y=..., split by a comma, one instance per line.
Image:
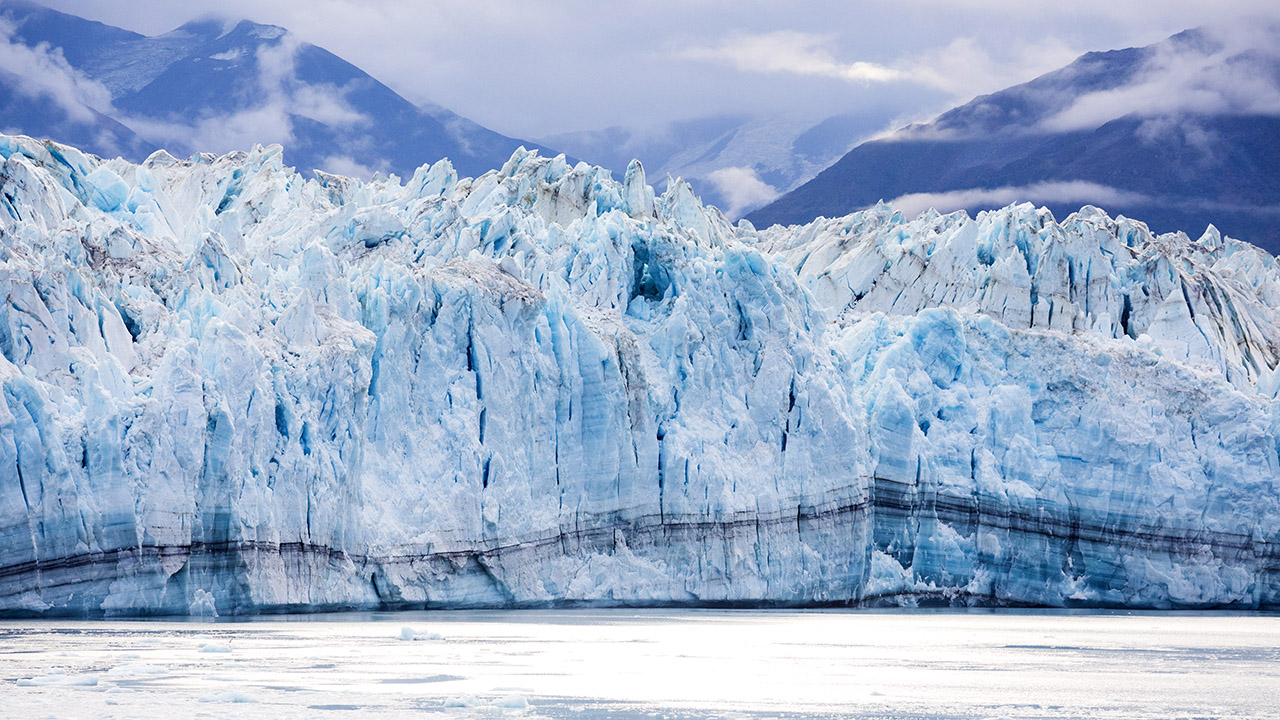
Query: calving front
x=230, y=389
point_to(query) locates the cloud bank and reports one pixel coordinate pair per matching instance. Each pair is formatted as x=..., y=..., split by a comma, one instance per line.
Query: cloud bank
x=582, y=64
x=43, y=72
x=788, y=51
x=1073, y=191
x=742, y=189
x=960, y=69
x=1229, y=70
x=279, y=98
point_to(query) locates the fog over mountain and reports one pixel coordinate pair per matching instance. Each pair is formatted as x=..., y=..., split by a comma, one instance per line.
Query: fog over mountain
x=1182, y=133
x=217, y=86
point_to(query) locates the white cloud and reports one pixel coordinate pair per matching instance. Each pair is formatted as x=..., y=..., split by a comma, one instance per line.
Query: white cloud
x=965, y=68
x=742, y=189
x=277, y=69
x=42, y=71
x=266, y=122
x=961, y=69
x=218, y=133
x=788, y=51
x=1187, y=131
x=343, y=165
x=1073, y=191
x=1233, y=74
x=536, y=69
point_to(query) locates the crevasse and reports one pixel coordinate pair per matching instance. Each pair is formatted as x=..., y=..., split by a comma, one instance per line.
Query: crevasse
x=230, y=389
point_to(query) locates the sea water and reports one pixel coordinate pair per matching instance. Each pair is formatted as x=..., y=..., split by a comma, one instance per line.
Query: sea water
x=662, y=664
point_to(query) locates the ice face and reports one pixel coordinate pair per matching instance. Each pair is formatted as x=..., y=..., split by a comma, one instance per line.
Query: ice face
x=227, y=389
x=1211, y=303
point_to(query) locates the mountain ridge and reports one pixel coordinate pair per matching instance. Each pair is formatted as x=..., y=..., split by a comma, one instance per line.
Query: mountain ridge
x=218, y=84
x=1179, y=170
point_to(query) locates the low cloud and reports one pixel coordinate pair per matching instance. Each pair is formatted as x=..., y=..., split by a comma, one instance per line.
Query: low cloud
x=218, y=133
x=962, y=68
x=584, y=64
x=1229, y=70
x=267, y=121
x=344, y=165
x=787, y=51
x=1073, y=191
x=1070, y=192
x=965, y=67
x=43, y=72
x=742, y=190
x=277, y=73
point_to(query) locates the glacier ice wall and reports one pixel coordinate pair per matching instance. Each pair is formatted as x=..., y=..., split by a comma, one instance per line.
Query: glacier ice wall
x=227, y=388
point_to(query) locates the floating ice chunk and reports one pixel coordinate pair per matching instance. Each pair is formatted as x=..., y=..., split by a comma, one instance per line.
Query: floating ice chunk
x=60, y=678
x=228, y=696
x=134, y=669
x=214, y=647
x=506, y=702
x=409, y=634
x=511, y=702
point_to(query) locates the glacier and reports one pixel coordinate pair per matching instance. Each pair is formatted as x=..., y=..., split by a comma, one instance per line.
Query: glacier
x=230, y=389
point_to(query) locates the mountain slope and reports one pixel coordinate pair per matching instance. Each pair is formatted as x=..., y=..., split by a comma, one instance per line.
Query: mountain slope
x=217, y=86
x=41, y=93
x=737, y=163
x=24, y=107
x=226, y=387
x=1112, y=129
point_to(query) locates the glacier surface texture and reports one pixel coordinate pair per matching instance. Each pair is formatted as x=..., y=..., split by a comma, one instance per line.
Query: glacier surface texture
x=229, y=389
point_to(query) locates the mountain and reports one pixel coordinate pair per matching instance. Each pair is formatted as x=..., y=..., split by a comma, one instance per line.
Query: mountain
x=42, y=94
x=228, y=388
x=217, y=86
x=26, y=109
x=1182, y=133
x=737, y=163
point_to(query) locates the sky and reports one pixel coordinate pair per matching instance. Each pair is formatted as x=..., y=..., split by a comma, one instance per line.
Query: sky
x=534, y=69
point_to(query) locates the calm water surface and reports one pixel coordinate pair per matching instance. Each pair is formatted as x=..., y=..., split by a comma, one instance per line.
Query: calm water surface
x=663, y=664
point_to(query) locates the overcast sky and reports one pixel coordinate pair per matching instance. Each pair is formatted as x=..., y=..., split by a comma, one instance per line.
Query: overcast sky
x=531, y=69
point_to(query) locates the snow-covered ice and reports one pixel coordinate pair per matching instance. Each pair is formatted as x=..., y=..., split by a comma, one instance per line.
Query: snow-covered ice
x=225, y=388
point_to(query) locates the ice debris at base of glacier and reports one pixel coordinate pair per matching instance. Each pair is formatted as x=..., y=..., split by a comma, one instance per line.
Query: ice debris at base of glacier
x=409, y=634
x=227, y=389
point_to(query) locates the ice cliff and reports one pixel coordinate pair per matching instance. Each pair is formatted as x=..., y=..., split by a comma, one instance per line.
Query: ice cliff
x=230, y=389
